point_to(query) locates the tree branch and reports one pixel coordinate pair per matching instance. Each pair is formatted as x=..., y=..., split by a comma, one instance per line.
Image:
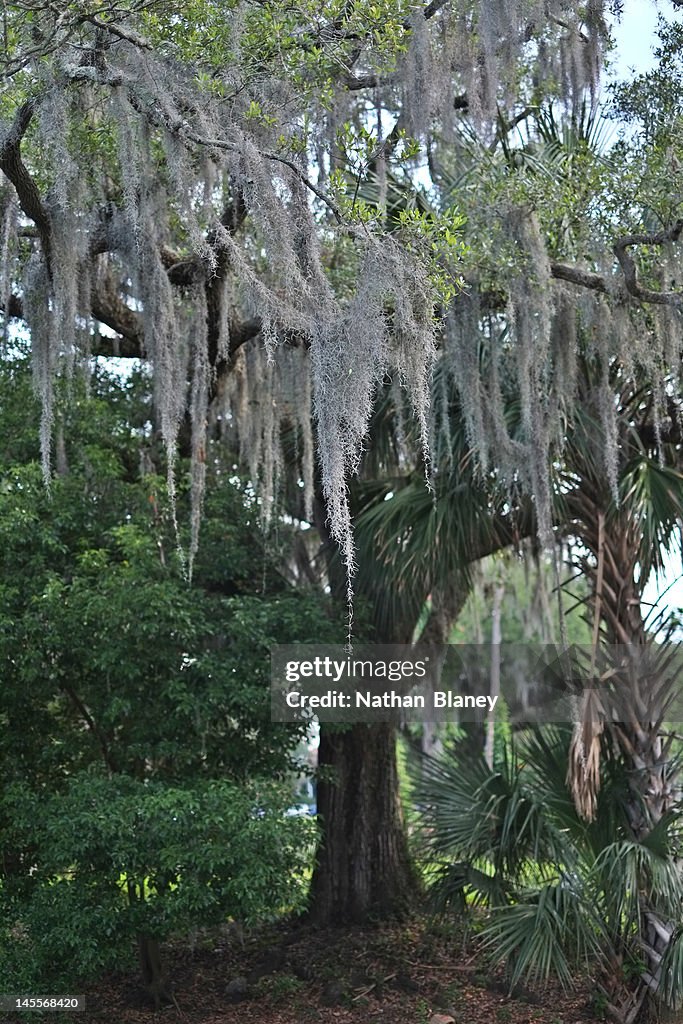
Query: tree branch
x=110, y=309
x=92, y=726
x=370, y=81
x=15, y=169
x=582, y=278
x=308, y=184
x=121, y=33
x=597, y=282
x=628, y=266
x=505, y=126
x=183, y=130
x=356, y=82
x=242, y=332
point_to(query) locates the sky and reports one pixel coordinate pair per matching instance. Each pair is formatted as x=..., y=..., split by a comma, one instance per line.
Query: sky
x=635, y=35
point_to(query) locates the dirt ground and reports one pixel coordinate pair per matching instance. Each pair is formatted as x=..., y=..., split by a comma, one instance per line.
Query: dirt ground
x=408, y=974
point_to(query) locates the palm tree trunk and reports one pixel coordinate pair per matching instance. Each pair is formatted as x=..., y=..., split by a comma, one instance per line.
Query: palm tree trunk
x=498, y=592
x=616, y=584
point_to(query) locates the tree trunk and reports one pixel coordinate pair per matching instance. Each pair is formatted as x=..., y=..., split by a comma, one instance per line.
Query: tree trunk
x=498, y=592
x=616, y=584
x=363, y=868
x=152, y=972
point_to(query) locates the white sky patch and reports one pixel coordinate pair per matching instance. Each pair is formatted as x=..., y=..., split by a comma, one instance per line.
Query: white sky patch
x=666, y=590
x=635, y=36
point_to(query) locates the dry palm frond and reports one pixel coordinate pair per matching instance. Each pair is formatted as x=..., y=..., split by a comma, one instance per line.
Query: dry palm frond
x=583, y=768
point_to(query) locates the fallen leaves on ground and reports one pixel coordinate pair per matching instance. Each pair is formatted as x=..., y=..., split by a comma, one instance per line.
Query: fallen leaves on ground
x=401, y=974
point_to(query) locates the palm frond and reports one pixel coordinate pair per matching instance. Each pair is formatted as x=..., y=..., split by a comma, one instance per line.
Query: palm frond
x=626, y=868
x=653, y=494
x=545, y=934
x=460, y=885
x=671, y=976
x=492, y=816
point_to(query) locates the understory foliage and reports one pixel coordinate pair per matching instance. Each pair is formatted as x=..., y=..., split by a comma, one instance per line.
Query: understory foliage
x=559, y=893
x=144, y=785
x=116, y=859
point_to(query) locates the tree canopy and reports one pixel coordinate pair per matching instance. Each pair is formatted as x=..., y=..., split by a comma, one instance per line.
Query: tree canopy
x=195, y=180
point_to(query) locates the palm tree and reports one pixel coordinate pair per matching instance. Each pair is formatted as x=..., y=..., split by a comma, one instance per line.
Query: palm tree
x=561, y=893
x=621, y=518
x=621, y=536
x=624, y=536
x=414, y=543
x=617, y=484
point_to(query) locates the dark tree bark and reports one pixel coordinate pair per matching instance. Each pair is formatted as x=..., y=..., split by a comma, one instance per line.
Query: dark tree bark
x=151, y=969
x=363, y=868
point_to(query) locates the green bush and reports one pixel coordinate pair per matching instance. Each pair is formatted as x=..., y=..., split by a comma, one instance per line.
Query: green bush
x=116, y=858
x=143, y=782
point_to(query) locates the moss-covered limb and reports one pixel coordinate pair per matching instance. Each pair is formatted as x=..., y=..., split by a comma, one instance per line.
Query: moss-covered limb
x=14, y=167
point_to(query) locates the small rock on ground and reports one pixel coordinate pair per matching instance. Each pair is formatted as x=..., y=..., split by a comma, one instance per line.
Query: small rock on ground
x=236, y=990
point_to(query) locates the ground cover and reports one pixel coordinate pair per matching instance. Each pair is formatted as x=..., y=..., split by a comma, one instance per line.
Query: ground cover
x=404, y=974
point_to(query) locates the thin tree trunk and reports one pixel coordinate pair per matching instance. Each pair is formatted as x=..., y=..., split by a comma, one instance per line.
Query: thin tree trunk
x=446, y=604
x=151, y=970
x=498, y=592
